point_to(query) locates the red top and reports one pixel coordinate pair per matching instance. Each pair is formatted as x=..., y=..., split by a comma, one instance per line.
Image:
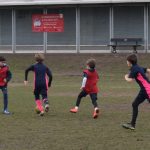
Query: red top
x=91, y=83
x=3, y=75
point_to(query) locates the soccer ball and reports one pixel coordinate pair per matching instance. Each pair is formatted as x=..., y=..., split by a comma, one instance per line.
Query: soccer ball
x=37, y=110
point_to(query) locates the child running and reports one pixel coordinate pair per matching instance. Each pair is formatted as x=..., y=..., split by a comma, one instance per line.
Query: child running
x=139, y=74
x=41, y=83
x=89, y=87
x=5, y=77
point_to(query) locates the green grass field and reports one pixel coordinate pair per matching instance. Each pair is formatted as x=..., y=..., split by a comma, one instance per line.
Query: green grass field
x=61, y=130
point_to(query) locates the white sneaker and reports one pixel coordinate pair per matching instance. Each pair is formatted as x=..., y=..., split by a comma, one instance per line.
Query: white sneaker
x=41, y=113
x=46, y=107
x=6, y=112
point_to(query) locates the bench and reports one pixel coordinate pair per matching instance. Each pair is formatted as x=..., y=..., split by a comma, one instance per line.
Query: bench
x=125, y=42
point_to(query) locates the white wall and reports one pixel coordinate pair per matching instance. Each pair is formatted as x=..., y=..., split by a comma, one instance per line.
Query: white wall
x=43, y=2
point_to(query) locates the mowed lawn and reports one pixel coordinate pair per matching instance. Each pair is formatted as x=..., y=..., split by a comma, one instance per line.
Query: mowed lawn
x=61, y=130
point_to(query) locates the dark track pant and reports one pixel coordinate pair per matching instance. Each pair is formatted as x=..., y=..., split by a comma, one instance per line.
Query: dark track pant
x=43, y=92
x=138, y=100
x=5, y=96
x=93, y=97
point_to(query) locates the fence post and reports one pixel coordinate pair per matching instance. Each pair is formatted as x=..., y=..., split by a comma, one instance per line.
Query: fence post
x=78, y=29
x=13, y=30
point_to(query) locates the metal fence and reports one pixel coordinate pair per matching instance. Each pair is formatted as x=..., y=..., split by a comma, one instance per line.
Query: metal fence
x=87, y=28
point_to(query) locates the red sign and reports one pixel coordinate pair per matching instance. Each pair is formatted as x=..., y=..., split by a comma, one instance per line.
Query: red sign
x=48, y=23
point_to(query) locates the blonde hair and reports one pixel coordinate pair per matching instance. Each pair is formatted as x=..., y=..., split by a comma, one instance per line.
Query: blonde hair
x=39, y=57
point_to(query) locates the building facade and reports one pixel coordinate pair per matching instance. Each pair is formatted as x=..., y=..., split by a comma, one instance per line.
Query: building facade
x=87, y=25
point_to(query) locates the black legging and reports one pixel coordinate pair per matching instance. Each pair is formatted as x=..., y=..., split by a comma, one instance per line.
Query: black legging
x=84, y=94
x=138, y=100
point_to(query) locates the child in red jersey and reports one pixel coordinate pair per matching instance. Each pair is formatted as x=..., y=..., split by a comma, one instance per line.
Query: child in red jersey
x=5, y=77
x=89, y=87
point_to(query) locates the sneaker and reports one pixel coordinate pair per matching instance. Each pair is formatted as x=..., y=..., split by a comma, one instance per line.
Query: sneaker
x=128, y=126
x=41, y=113
x=6, y=112
x=46, y=107
x=96, y=113
x=74, y=110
